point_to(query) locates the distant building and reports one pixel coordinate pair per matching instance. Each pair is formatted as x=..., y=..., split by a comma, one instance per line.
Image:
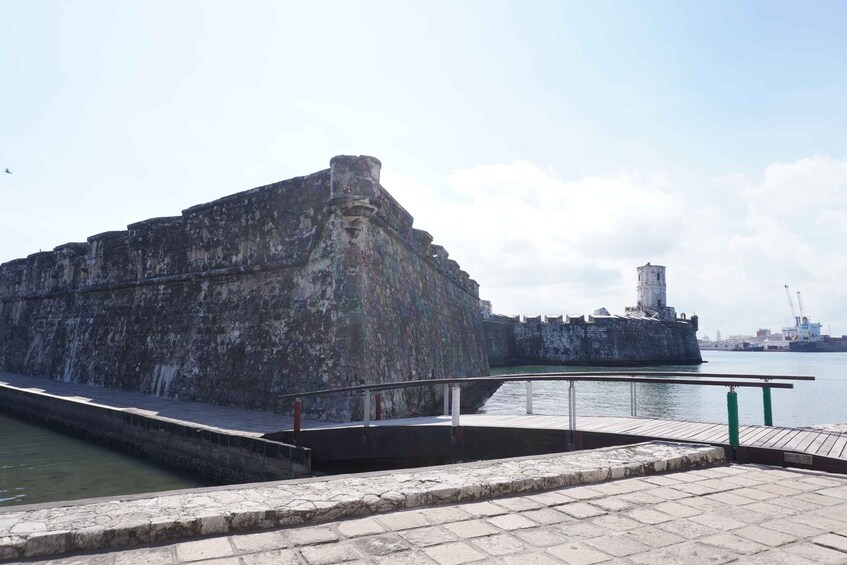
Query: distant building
x=765, y=334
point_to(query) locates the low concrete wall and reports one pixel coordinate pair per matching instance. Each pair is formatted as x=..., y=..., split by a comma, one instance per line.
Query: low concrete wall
x=216, y=456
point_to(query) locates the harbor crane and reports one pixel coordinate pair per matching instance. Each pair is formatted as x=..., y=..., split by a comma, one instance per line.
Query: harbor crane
x=803, y=329
x=791, y=303
x=800, y=304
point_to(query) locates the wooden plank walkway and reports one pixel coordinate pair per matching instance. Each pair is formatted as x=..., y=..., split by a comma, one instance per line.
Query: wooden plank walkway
x=799, y=440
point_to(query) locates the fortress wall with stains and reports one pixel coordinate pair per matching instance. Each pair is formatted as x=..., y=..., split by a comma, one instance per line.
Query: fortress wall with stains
x=599, y=340
x=315, y=282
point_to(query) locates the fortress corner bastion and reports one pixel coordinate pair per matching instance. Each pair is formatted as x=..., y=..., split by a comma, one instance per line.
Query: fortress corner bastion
x=315, y=282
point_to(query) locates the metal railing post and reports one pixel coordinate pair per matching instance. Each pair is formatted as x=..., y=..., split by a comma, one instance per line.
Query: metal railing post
x=366, y=409
x=446, y=400
x=456, y=404
x=732, y=417
x=572, y=413
x=298, y=408
x=766, y=400
x=633, y=410
x=529, y=397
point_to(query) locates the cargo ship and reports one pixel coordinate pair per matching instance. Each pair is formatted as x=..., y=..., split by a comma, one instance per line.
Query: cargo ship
x=805, y=336
x=823, y=344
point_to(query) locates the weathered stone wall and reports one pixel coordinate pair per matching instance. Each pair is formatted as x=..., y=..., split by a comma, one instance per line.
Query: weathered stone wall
x=600, y=340
x=311, y=283
x=500, y=339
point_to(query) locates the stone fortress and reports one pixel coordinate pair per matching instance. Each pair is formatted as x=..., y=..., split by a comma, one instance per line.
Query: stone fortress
x=311, y=283
x=648, y=334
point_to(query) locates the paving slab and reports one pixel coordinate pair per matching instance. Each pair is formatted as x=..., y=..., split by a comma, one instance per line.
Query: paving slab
x=54, y=528
x=775, y=541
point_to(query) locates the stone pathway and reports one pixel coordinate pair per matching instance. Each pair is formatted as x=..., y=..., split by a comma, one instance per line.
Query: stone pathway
x=141, y=519
x=220, y=418
x=745, y=514
x=833, y=428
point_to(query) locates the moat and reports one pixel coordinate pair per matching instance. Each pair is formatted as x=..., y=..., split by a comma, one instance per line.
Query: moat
x=40, y=465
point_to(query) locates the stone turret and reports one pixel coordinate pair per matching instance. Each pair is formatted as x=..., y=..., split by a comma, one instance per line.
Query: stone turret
x=354, y=184
x=652, y=287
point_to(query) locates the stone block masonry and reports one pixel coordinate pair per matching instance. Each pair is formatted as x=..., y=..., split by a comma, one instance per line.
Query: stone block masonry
x=599, y=340
x=315, y=282
x=649, y=334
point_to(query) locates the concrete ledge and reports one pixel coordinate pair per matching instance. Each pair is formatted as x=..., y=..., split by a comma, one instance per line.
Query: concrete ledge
x=38, y=530
x=218, y=456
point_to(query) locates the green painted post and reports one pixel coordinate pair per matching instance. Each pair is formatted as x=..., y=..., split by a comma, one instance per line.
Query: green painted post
x=766, y=398
x=732, y=413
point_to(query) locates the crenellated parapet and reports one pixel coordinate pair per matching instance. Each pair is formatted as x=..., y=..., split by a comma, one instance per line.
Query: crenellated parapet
x=580, y=320
x=440, y=258
x=595, y=340
x=639, y=338
x=269, y=227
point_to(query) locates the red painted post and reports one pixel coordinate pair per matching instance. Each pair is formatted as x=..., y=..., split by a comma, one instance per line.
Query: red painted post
x=298, y=407
x=378, y=407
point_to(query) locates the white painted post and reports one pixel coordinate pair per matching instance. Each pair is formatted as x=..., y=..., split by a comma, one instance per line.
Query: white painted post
x=529, y=397
x=456, y=404
x=632, y=399
x=572, y=409
x=367, y=409
x=446, y=400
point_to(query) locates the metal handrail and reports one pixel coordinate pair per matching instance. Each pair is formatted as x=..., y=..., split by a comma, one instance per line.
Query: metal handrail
x=673, y=374
x=632, y=377
x=595, y=377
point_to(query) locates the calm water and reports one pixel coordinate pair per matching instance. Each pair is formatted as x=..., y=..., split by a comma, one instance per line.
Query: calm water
x=823, y=401
x=40, y=465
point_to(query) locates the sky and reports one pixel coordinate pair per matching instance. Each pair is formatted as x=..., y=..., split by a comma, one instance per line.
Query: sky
x=551, y=147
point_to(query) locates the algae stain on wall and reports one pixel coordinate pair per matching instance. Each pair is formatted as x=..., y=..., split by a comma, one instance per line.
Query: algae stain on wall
x=293, y=286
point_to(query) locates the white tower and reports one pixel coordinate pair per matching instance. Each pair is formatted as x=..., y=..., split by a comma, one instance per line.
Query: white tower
x=652, y=288
x=652, y=294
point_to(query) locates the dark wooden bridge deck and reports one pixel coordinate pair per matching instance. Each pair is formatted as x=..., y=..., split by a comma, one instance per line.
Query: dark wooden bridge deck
x=778, y=438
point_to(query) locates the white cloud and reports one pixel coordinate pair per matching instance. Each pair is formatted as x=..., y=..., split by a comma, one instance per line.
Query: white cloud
x=541, y=243
x=785, y=229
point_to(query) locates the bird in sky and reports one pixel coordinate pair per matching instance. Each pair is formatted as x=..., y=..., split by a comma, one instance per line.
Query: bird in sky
x=8, y=171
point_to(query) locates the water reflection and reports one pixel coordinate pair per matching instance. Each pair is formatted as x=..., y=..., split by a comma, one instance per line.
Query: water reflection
x=40, y=465
x=808, y=403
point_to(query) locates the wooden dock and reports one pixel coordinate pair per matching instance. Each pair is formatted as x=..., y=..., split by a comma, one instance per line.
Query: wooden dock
x=766, y=444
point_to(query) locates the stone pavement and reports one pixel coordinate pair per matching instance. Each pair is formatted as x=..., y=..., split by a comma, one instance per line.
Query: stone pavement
x=834, y=428
x=740, y=513
x=56, y=528
x=219, y=418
